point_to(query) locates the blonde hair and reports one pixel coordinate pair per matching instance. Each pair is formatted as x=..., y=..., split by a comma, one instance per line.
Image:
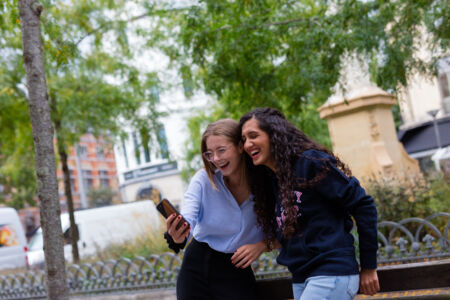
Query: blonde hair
x=229, y=129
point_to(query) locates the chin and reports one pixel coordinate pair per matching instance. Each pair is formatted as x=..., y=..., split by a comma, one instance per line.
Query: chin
x=258, y=161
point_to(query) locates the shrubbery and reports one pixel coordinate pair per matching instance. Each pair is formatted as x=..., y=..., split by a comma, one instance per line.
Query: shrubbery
x=151, y=243
x=410, y=197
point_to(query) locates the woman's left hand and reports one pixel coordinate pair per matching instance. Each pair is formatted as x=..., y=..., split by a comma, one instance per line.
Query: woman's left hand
x=368, y=281
x=245, y=255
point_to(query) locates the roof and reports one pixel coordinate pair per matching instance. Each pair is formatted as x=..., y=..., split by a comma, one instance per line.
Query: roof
x=422, y=137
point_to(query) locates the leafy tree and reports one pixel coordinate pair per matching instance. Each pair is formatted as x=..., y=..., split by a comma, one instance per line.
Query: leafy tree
x=288, y=54
x=93, y=84
x=30, y=11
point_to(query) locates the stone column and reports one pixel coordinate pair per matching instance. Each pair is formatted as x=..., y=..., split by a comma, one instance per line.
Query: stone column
x=363, y=134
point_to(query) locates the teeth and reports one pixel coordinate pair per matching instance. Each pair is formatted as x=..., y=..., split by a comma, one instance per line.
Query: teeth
x=254, y=152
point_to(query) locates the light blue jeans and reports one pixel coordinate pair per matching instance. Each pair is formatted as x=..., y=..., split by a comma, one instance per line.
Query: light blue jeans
x=327, y=287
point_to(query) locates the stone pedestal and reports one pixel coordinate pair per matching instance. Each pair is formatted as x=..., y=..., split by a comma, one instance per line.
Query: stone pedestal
x=363, y=135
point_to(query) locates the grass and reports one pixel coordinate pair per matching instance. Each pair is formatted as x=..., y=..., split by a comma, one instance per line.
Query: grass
x=151, y=243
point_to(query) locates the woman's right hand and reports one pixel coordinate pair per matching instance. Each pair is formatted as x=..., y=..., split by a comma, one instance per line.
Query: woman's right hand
x=178, y=235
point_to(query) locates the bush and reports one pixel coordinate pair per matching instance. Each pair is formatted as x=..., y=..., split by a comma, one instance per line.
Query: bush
x=102, y=196
x=151, y=243
x=410, y=197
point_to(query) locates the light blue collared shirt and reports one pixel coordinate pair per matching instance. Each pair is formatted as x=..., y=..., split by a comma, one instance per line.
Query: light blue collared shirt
x=215, y=216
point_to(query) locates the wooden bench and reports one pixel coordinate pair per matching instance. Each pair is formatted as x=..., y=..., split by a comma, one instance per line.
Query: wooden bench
x=425, y=278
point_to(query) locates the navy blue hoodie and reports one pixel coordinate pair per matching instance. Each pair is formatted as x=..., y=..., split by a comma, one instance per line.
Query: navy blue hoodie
x=322, y=243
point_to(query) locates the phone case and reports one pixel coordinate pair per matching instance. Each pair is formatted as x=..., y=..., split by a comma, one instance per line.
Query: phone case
x=166, y=209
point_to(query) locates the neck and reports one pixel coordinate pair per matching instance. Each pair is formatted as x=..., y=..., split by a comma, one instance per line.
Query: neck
x=238, y=187
x=233, y=179
x=271, y=166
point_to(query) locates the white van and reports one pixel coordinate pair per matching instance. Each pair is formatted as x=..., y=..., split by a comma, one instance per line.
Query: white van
x=13, y=244
x=99, y=227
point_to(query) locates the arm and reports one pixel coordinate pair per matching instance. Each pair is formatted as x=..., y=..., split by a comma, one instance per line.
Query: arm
x=348, y=194
x=176, y=238
x=361, y=206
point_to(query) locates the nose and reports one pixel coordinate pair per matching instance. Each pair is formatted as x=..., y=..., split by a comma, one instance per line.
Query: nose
x=216, y=157
x=247, y=145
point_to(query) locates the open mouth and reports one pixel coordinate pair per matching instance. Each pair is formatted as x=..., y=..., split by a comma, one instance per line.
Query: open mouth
x=223, y=166
x=254, y=154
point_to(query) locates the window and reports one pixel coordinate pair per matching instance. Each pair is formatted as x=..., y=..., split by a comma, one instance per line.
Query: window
x=104, y=181
x=162, y=139
x=72, y=185
x=124, y=148
x=82, y=151
x=87, y=179
x=444, y=82
x=100, y=152
x=136, y=148
x=154, y=91
x=444, y=85
x=147, y=154
x=8, y=236
x=72, y=180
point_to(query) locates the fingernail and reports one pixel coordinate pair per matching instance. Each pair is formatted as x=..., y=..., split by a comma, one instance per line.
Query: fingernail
x=184, y=224
x=179, y=217
x=173, y=215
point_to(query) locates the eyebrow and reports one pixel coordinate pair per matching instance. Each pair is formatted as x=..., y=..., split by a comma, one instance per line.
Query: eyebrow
x=252, y=131
x=209, y=149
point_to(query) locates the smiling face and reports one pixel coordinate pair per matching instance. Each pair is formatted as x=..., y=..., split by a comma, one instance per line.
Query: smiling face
x=226, y=156
x=257, y=144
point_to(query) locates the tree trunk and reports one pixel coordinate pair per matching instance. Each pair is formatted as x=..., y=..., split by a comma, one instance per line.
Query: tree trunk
x=67, y=189
x=47, y=185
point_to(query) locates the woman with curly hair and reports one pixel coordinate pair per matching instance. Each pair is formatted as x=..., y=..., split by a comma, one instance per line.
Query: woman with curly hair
x=308, y=208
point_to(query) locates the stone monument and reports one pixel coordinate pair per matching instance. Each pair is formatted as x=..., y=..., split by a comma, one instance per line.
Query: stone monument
x=362, y=127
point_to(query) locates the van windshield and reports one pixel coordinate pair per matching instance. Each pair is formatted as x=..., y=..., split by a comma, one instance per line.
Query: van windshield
x=8, y=236
x=36, y=242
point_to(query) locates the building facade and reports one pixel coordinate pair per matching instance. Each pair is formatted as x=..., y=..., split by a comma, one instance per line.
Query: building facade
x=93, y=177
x=146, y=171
x=425, y=111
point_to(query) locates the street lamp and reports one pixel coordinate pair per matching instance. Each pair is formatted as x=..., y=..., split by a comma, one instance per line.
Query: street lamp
x=433, y=114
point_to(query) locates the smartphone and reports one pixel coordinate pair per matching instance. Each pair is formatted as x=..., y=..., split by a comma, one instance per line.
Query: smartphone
x=166, y=209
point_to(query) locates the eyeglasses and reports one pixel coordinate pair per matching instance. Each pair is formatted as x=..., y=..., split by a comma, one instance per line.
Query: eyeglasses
x=209, y=155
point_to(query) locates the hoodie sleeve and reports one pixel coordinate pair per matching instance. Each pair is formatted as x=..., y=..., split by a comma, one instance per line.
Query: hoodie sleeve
x=347, y=193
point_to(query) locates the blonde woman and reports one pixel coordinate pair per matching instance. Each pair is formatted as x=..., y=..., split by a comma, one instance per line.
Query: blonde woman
x=218, y=206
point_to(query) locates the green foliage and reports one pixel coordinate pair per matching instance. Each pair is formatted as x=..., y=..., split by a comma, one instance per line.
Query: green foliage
x=16, y=145
x=102, y=196
x=287, y=54
x=196, y=126
x=93, y=86
x=400, y=199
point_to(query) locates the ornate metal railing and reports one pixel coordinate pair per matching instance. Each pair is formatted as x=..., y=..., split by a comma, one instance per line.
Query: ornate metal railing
x=409, y=240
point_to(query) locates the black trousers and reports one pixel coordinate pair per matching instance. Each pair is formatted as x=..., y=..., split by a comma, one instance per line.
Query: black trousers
x=207, y=274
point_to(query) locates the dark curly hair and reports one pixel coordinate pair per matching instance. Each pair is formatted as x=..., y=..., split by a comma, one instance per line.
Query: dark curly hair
x=287, y=144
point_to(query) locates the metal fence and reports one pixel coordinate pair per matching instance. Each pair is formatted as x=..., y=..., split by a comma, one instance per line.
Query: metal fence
x=409, y=240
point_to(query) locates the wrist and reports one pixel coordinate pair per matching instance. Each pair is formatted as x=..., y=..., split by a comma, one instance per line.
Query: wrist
x=269, y=245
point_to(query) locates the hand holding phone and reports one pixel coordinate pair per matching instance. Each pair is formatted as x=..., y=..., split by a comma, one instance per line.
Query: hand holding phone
x=177, y=226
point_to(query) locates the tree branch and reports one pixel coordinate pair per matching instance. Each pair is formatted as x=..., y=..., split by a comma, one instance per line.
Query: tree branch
x=277, y=23
x=132, y=19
